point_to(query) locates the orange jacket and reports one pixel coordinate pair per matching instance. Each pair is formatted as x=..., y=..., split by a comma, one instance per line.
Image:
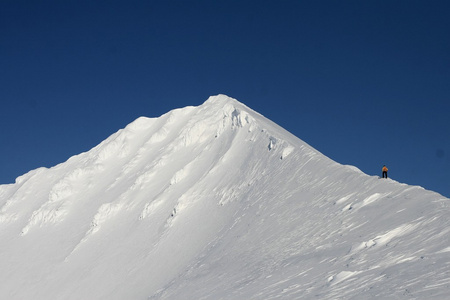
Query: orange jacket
x=384, y=169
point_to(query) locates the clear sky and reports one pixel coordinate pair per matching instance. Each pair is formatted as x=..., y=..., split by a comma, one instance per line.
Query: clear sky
x=366, y=83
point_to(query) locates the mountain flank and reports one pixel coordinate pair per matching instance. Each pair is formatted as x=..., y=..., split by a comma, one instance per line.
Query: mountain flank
x=218, y=202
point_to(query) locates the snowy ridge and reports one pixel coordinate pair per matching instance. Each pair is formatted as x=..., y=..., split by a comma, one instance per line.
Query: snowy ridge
x=217, y=202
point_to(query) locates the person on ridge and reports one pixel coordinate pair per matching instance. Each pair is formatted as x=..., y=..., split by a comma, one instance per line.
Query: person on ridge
x=384, y=170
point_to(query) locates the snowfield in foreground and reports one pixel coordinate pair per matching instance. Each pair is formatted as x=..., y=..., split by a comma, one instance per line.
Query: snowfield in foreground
x=217, y=202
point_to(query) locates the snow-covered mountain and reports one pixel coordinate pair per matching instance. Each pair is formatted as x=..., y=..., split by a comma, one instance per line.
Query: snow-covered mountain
x=217, y=202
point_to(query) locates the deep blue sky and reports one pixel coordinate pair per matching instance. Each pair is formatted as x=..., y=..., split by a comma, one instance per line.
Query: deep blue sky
x=366, y=83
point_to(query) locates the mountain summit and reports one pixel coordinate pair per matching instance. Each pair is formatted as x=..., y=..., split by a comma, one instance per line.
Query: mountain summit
x=218, y=202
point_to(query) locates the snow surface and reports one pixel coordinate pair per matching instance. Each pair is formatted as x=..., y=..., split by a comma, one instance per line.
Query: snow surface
x=218, y=202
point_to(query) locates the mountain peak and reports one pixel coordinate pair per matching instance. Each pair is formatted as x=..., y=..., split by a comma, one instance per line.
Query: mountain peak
x=221, y=99
x=213, y=202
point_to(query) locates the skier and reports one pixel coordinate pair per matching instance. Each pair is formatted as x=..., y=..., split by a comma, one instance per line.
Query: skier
x=384, y=170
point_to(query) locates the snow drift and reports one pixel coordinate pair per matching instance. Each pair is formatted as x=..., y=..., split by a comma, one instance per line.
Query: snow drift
x=218, y=202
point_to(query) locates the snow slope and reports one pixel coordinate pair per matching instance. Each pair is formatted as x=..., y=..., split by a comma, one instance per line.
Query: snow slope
x=218, y=202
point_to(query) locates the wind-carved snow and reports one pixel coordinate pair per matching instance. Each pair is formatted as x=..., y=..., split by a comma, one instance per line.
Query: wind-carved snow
x=167, y=127
x=178, y=176
x=344, y=275
x=240, y=119
x=54, y=209
x=286, y=151
x=61, y=197
x=354, y=168
x=12, y=195
x=345, y=198
x=235, y=118
x=217, y=202
x=371, y=199
x=272, y=143
x=149, y=209
x=116, y=148
x=194, y=134
x=143, y=179
x=105, y=212
x=160, y=135
x=444, y=250
x=384, y=239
